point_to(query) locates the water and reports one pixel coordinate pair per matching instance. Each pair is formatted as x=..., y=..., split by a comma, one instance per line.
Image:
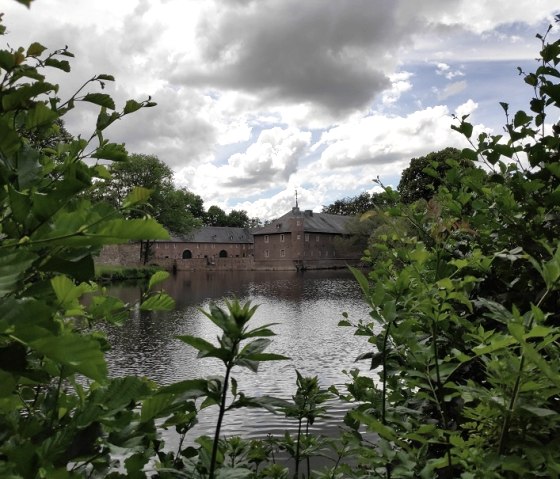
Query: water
x=307, y=307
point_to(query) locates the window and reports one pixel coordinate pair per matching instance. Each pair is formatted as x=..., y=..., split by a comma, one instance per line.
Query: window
x=298, y=237
x=306, y=237
x=266, y=238
x=266, y=253
x=317, y=238
x=282, y=253
x=281, y=238
x=298, y=223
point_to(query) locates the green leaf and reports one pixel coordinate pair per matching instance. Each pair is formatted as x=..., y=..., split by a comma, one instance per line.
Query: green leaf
x=12, y=267
x=105, y=77
x=131, y=106
x=7, y=60
x=157, y=278
x=101, y=99
x=138, y=195
x=18, y=98
x=79, y=352
x=517, y=331
x=60, y=64
x=111, y=151
x=198, y=343
x=539, y=411
x=35, y=49
x=39, y=115
x=191, y=388
x=158, y=302
x=138, y=229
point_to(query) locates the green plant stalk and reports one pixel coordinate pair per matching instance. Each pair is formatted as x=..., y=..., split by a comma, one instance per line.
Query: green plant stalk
x=307, y=458
x=297, y=459
x=439, y=386
x=220, y=420
x=515, y=392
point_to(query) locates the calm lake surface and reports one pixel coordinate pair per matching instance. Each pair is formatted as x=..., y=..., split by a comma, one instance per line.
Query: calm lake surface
x=307, y=307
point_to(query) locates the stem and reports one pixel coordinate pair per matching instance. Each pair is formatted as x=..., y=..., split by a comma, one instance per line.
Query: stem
x=384, y=378
x=438, y=392
x=55, y=408
x=515, y=392
x=307, y=458
x=219, y=423
x=296, y=474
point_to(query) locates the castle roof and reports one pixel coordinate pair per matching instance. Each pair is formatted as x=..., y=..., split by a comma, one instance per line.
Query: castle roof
x=312, y=223
x=216, y=234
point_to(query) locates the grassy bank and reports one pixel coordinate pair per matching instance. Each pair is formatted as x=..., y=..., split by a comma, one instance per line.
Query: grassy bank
x=112, y=273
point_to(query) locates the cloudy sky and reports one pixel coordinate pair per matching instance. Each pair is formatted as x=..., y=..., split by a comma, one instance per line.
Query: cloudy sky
x=258, y=98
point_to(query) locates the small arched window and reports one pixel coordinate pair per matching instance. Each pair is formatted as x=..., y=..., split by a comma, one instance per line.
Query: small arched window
x=187, y=254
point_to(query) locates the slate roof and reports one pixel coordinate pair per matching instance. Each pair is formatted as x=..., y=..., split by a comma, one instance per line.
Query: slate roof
x=312, y=223
x=216, y=234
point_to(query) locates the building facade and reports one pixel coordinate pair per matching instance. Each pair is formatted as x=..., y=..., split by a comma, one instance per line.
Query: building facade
x=297, y=240
x=208, y=243
x=304, y=240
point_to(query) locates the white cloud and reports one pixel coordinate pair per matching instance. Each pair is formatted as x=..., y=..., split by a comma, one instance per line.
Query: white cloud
x=256, y=98
x=400, y=83
x=379, y=140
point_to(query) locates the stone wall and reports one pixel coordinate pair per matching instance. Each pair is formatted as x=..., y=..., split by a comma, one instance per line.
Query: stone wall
x=205, y=264
x=120, y=254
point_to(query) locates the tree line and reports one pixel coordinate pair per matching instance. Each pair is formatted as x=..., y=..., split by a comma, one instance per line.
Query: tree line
x=176, y=208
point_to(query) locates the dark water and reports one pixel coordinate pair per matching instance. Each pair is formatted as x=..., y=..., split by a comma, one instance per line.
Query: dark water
x=307, y=307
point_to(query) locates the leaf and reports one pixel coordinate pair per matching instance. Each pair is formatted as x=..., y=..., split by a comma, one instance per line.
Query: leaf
x=79, y=352
x=60, y=64
x=137, y=229
x=7, y=60
x=111, y=151
x=158, y=302
x=101, y=99
x=539, y=411
x=157, y=278
x=198, y=343
x=105, y=77
x=12, y=267
x=191, y=388
x=39, y=115
x=19, y=97
x=35, y=49
x=138, y=195
x=517, y=331
x=131, y=106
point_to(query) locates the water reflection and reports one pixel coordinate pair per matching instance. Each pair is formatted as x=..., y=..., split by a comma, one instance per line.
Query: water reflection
x=307, y=308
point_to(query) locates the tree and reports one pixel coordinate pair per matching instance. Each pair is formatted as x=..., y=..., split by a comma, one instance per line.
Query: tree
x=357, y=205
x=172, y=207
x=238, y=219
x=424, y=174
x=145, y=171
x=215, y=216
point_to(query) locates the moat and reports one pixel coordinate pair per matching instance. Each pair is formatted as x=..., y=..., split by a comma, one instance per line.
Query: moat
x=307, y=307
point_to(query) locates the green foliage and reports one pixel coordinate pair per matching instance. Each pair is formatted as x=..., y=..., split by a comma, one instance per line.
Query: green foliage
x=464, y=324
x=424, y=175
x=60, y=413
x=362, y=203
x=144, y=184
x=237, y=346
